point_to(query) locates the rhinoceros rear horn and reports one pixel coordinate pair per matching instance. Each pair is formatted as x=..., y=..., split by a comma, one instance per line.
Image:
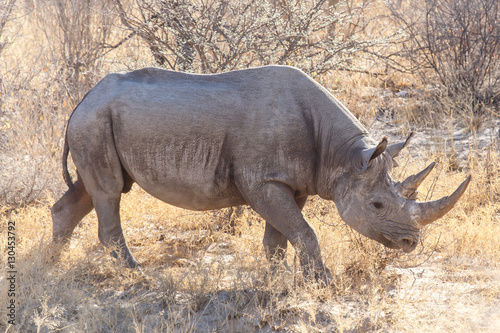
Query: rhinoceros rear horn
x=409, y=186
x=428, y=212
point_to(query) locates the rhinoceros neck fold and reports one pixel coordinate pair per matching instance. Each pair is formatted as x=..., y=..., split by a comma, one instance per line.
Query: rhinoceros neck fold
x=339, y=138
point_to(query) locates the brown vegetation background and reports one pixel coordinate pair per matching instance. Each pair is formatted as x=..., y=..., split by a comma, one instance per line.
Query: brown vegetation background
x=432, y=66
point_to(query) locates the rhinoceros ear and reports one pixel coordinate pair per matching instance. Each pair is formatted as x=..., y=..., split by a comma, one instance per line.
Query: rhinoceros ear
x=395, y=148
x=369, y=155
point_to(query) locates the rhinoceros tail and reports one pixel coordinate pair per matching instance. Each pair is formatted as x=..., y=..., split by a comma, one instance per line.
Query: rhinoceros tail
x=66, y=176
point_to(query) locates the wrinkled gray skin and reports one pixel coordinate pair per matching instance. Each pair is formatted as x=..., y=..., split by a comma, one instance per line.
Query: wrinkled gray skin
x=267, y=137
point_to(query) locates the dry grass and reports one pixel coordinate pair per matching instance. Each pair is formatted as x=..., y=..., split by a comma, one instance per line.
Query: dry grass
x=197, y=277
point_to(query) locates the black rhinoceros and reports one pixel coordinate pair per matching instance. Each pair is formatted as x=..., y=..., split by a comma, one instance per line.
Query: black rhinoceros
x=268, y=137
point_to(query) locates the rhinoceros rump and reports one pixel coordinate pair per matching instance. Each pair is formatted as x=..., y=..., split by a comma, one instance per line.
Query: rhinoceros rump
x=267, y=137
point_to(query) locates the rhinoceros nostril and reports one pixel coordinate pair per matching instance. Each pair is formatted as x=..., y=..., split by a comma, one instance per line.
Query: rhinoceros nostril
x=407, y=244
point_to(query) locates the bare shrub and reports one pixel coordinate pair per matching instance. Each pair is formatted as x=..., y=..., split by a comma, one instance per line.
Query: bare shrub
x=42, y=80
x=6, y=8
x=455, y=42
x=78, y=34
x=5, y=15
x=210, y=36
x=31, y=124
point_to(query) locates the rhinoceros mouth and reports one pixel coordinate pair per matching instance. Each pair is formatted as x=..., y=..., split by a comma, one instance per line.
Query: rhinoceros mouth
x=405, y=243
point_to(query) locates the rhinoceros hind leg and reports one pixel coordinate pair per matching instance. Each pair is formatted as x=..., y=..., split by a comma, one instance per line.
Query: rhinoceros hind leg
x=68, y=211
x=110, y=230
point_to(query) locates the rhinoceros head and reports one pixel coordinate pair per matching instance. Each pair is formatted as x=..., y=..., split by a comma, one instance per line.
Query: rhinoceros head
x=372, y=203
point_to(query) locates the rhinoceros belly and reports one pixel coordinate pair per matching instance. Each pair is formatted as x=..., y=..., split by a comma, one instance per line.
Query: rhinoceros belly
x=192, y=173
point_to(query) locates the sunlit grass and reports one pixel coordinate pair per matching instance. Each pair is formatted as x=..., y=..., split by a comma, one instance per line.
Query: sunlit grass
x=189, y=264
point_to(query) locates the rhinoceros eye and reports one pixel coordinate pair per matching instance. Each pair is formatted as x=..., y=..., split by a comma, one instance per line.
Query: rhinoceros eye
x=378, y=205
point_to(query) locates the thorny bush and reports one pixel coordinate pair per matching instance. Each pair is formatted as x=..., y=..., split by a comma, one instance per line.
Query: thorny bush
x=457, y=40
x=210, y=36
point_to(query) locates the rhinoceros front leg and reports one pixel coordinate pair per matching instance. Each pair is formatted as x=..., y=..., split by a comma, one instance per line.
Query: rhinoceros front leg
x=275, y=243
x=275, y=202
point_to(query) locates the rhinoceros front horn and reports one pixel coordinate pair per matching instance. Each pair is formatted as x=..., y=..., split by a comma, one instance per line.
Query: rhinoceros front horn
x=428, y=212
